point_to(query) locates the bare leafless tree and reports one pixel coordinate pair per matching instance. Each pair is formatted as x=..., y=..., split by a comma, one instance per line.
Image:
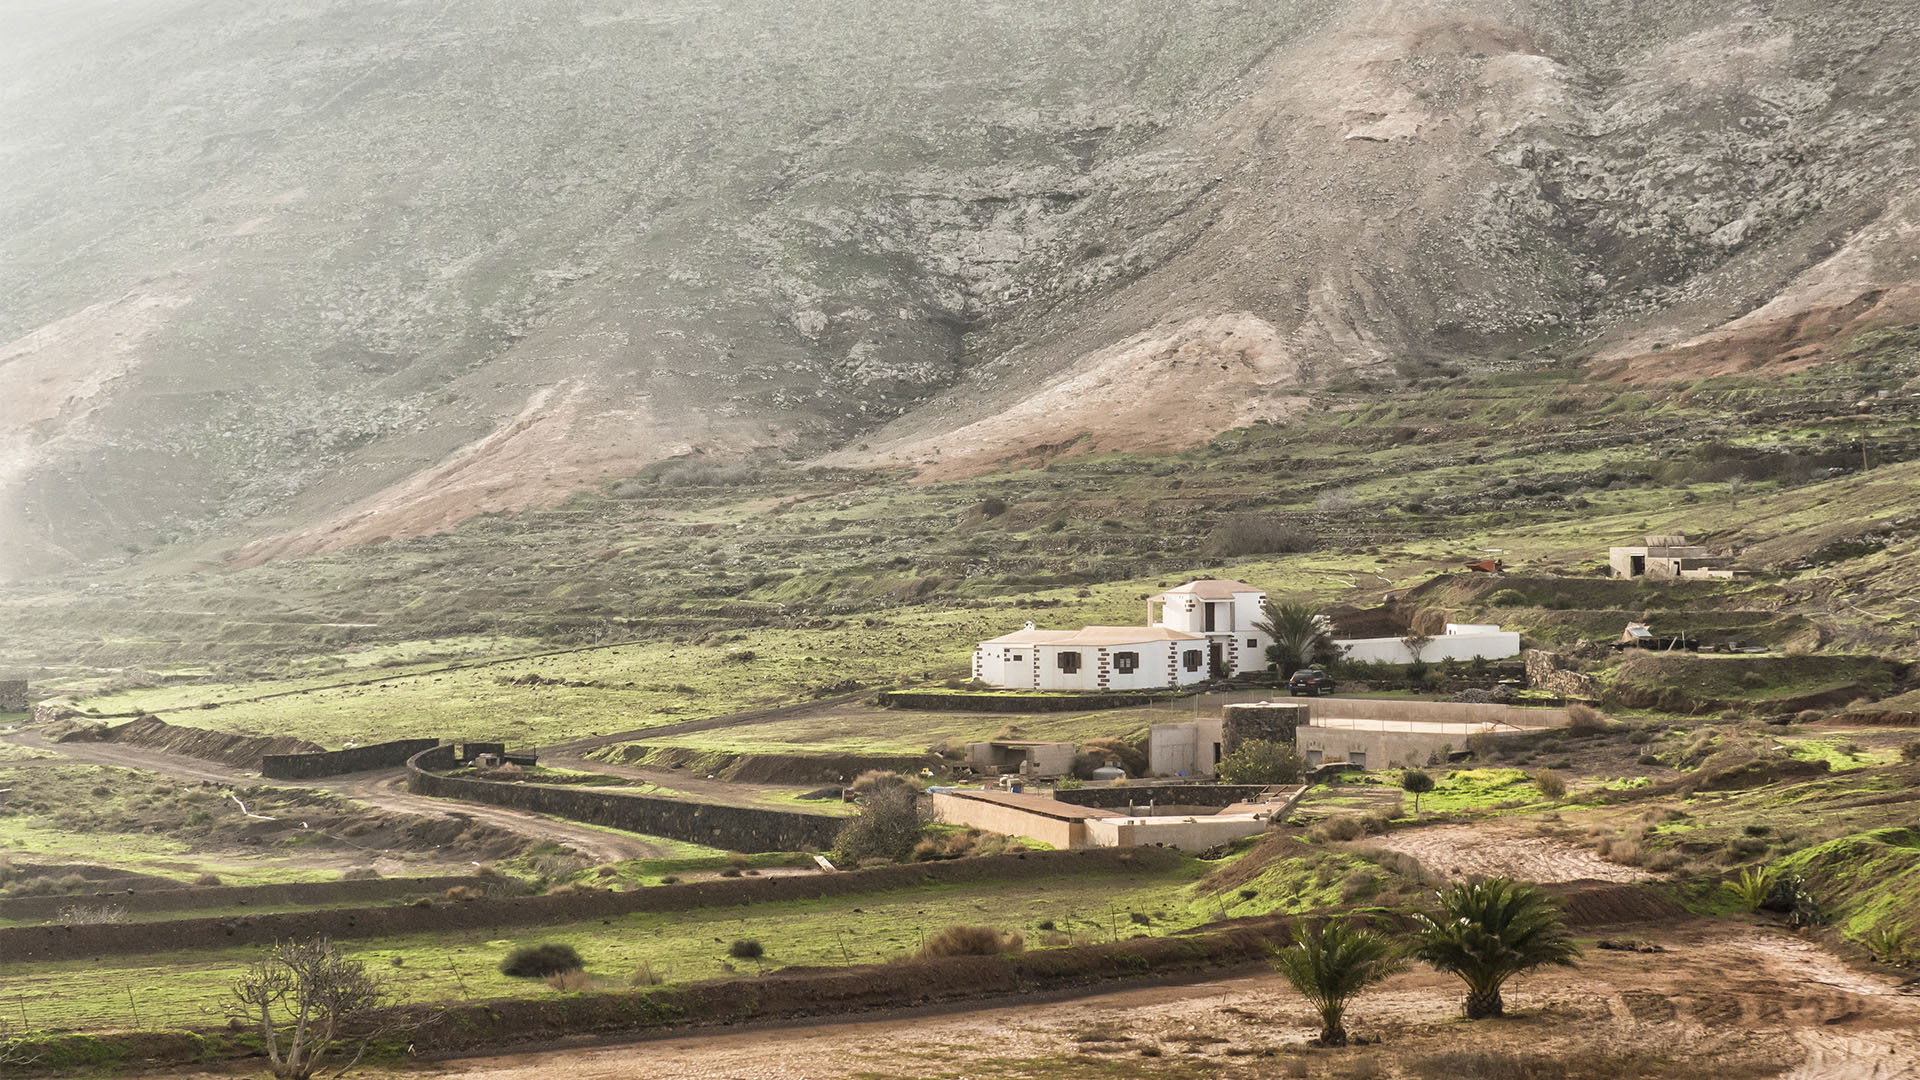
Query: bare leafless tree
x=305, y=997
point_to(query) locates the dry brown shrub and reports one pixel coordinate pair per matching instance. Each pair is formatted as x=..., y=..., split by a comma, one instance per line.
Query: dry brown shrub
x=464, y=892
x=971, y=941
x=1584, y=719
x=1340, y=829
x=571, y=980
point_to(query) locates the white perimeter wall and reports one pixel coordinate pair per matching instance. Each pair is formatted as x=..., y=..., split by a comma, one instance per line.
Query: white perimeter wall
x=1496, y=646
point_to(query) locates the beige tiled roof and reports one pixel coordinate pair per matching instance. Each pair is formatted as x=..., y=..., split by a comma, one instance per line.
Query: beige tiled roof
x=1094, y=636
x=1211, y=589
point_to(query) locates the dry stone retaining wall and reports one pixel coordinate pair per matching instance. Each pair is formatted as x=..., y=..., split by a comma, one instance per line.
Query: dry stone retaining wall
x=1545, y=672
x=735, y=828
x=148, y=898
x=24, y=944
x=1161, y=795
x=386, y=755
x=1017, y=703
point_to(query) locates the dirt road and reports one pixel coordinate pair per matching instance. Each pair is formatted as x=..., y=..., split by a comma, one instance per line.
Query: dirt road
x=1492, y=848
x=1723, y=1000
x=385, y=790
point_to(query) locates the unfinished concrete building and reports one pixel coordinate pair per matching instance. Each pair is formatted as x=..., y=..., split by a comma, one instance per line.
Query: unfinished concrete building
x=1194, y=748
x=1021, y=757
x=1669, y=557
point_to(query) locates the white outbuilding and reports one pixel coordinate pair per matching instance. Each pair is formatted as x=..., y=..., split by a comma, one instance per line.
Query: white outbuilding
x=1201, y=630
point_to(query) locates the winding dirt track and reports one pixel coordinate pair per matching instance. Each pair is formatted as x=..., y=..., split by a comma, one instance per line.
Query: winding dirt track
x=385, y=790
x=1723, y=999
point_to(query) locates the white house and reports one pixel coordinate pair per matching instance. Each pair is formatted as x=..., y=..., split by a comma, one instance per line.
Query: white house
x=1201, y=630
x=1223, y=612
x=1462, y=641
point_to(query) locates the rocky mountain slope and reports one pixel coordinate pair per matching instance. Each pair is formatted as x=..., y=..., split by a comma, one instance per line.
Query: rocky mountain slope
x=278, y=278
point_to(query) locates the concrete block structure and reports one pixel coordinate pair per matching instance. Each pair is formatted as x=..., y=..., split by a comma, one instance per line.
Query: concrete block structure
x=1384, y=733
x=1067, y=825
x=1194, y=748
x=1668, y=556
x=1021, y=757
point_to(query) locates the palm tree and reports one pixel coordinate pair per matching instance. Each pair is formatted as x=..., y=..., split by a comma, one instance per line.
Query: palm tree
x=1299, y=633
x=1489, y=931
x=1331, y=965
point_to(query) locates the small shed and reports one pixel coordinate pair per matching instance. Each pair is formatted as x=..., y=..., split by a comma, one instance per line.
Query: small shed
x=1021, y=757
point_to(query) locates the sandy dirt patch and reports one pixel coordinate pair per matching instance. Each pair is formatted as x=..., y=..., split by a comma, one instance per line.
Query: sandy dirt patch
x=1493, y=850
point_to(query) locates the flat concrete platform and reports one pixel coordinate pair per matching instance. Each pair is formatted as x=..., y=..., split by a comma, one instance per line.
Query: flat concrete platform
x=1413, y=727
x=1032, y=804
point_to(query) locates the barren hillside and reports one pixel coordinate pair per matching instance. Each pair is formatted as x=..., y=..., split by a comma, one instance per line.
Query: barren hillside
x=278, y=278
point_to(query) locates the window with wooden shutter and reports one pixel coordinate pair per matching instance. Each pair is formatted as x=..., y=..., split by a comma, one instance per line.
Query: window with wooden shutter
x=1126, y=661
x=1069, y=662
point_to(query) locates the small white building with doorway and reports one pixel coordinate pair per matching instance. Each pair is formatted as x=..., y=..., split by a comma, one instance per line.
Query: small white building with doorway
x=1198, y=631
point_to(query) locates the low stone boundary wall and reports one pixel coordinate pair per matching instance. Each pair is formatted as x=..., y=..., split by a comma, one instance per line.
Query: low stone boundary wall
x=386, y=755
x=1015, y=703
x=147, y=898
x=1449, y=712
x=153, y=733
x=1161, y=794
x=735, y=828
x=24, y=944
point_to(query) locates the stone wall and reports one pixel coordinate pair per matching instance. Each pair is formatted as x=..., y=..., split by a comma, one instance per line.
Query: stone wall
x=13, y=695
x=1548, y=672
x=1162, y=794
x=734, y=828
x=1017, y=703
x=386, y=755
x=148, y=898
x=1270, y=720
x=25, y=944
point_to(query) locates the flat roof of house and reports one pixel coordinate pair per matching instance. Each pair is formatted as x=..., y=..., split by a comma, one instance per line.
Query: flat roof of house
x=1212, y=589
x=1094, y=635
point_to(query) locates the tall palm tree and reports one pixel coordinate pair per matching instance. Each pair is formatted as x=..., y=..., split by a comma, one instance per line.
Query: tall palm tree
x=1299, y=633
x=1332, y=964
x=1489, y=931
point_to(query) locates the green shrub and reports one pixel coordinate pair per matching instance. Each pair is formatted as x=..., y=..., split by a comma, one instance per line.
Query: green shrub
x=540, y=961
x=1507, y=598
x=1788, y=895
x=1260, y=761
x=1911, y=751
x=746, y=949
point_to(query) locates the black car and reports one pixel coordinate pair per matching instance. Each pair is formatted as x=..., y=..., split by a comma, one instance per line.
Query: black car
x=1310, y=681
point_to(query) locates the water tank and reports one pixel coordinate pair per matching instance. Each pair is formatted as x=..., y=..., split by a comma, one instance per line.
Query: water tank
x=1109, y=773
